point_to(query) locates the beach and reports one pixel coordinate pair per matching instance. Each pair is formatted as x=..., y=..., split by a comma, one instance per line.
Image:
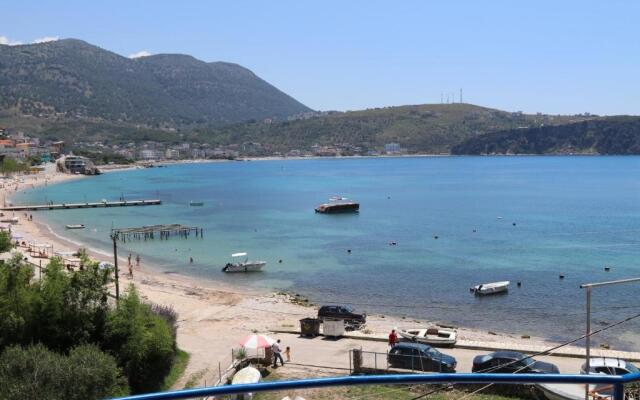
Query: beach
x=214, y=316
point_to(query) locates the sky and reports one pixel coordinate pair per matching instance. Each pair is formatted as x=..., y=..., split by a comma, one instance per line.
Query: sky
x=556, y=57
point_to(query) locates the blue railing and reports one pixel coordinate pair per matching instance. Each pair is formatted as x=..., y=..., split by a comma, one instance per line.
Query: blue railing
x=617, y=382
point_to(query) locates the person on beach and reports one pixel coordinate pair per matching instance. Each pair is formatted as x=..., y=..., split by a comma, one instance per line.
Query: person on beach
x=287, y=352
x=191, y=260
x=393, y=338
x=277, y=350
x=138, y=260
x=129, y=259
x=130, y=271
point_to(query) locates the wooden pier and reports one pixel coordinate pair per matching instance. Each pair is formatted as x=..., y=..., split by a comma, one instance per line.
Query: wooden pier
x=163, y=232
x=67, y=206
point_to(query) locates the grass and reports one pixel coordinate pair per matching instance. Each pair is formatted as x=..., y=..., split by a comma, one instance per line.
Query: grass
x=194, y=379
x=180, y=362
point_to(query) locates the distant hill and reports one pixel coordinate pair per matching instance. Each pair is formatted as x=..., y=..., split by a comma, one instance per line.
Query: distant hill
x=71, y=79
x=430, y=128
x=607, y=135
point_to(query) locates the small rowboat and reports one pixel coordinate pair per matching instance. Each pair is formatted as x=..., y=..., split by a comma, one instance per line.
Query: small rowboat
x=75, y=226
x=491, y=288
x=196, y=203
x=12, y=220
x=433, y=336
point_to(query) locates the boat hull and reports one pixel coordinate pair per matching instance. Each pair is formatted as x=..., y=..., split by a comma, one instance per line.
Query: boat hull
x=338, y=208
x=491, y=288
x=437, y=337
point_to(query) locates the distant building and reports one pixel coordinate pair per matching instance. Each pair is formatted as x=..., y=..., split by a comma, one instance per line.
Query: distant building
x=148, y=154
x=391, y=148
x=172, y=154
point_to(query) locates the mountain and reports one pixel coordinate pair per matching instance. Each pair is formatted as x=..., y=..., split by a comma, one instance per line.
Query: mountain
x=606, y=135
x=428, y=128
x=71, y=79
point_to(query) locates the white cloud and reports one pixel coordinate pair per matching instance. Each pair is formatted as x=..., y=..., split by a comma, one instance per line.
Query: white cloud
x=139, y=54
x=5, y=40
x=46, y=39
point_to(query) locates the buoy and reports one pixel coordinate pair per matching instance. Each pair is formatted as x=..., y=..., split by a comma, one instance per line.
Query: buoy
x=607, y=269
x=435, y=237
x=561, y=276
x=392, y=243
x=280, y=261
x=474, y=231
x=519, y=284
x=349, y=251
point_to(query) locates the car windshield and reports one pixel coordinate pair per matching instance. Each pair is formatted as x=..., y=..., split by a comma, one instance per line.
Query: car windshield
x=527, y=362
x=632, y=368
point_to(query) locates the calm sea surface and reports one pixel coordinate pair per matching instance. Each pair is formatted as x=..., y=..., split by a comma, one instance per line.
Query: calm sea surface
x=570, y=215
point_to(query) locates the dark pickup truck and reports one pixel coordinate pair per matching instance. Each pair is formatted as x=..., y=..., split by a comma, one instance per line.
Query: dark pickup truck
x=351, y=318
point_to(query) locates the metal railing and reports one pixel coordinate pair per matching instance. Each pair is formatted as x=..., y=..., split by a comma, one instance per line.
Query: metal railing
x=616, y=382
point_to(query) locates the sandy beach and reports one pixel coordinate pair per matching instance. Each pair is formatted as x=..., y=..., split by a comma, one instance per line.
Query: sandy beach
x=214, y=317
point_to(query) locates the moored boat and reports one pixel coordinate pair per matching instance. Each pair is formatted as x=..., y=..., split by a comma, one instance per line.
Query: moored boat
x=75, y=226
x=432, y=335
x=244, y=266
x=12, y=220
x=196, y=203
x=338, y=204
x=491, y=288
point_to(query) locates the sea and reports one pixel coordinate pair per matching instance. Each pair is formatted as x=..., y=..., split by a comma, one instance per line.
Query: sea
x=428, y=229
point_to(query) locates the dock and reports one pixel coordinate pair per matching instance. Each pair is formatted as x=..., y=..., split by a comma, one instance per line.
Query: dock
x=149, y=232
x=68, y=206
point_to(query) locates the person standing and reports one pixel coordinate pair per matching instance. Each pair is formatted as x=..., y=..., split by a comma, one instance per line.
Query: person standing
x=277, y=350
x=138, y=260
x=393, y=338
x=129, y=259
x=287, y=352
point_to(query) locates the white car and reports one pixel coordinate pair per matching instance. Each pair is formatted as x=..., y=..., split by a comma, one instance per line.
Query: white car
x=609, y=366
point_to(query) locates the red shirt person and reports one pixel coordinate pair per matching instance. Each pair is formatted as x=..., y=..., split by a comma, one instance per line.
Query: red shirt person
x=393, y=338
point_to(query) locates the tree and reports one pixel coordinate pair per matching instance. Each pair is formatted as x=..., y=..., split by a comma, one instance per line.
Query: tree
x=36, y=372
x=16, y=301
x=141, y=341
x=5, y=242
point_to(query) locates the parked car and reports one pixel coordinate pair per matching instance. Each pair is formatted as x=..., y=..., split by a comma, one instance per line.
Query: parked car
x=421, y=357
x=351, y=318
x=609, y=366
x=510, y=362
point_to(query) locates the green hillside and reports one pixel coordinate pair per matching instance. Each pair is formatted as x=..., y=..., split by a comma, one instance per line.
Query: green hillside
x=71, y=79
x=609, y=135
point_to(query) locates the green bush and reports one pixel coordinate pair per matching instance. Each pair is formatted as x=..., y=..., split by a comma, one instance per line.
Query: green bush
x=36, y=372
x=5, y=242
x=16, y=302
x=141, y=341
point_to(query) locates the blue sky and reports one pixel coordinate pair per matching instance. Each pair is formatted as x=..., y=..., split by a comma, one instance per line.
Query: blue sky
x=534, y=56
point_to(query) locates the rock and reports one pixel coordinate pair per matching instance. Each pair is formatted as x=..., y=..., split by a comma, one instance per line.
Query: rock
x=525, y=337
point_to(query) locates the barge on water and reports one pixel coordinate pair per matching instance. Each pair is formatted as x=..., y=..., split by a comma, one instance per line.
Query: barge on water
x=338, y=205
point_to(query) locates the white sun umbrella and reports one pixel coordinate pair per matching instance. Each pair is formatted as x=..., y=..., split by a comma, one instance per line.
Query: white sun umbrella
x=257, y=341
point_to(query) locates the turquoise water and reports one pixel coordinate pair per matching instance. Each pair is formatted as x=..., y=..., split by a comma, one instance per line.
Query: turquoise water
x=570, y=215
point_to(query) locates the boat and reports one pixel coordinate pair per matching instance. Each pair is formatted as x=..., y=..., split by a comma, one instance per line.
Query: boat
x=433, y=336
x=75, y=226
x=244, y=266
x=491, y=288
x=12, y=220
x=338, y=204
x=196, y=203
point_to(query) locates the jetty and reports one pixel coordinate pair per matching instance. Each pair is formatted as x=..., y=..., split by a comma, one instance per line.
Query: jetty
x=68, y=206
x=152, y=231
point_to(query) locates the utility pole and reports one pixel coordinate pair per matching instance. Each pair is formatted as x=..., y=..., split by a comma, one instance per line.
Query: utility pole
x=115, y=264
x=588, y=286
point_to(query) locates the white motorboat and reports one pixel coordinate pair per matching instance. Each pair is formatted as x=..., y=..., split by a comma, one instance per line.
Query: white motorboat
x=433, y=336
x=244, y=266
x=75, y=226
x=491, y=288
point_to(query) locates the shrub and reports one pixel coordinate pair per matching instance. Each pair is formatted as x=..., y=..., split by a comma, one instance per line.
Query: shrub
x=36, y=372
x=141, y=341
x=5, y=242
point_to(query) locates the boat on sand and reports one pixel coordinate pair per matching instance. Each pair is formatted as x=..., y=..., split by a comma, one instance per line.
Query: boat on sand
x=244, y=266
x=491, y=288
x=433, y=336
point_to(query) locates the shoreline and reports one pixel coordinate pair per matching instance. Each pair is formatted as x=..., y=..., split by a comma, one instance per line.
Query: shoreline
x=213, y=315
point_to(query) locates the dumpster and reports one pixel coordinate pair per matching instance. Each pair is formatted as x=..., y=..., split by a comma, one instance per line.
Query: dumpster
x=333, y=327
x=309, y=327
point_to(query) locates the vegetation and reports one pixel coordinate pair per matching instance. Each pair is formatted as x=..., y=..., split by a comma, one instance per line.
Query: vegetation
x=69, y=318
x=5, y=242
x=37, y=372
x=74, y=79
x=609, y=135
x=10, y=166
x=179, y=365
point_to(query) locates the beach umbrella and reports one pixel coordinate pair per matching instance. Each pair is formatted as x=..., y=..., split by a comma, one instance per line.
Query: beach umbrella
x=256, y=341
